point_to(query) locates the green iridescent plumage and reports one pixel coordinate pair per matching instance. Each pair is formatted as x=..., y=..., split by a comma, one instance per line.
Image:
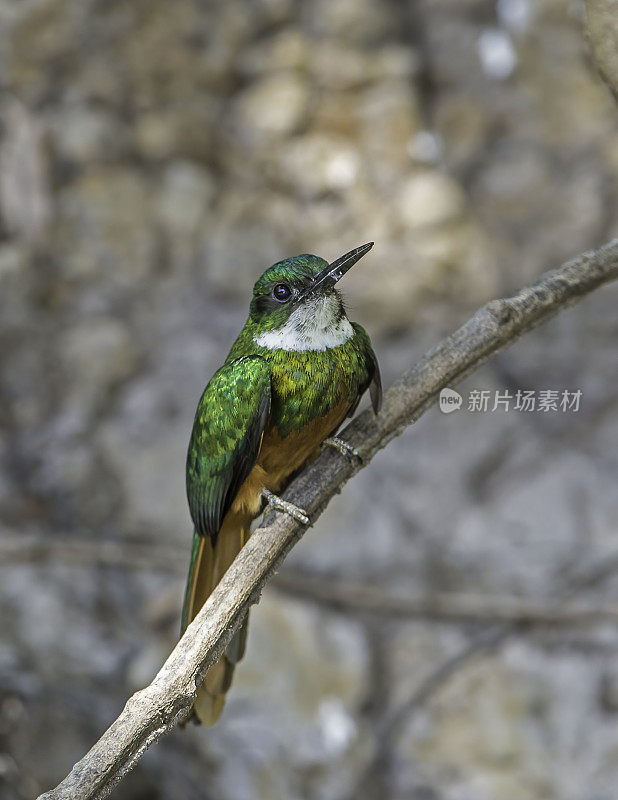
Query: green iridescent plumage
x=309, y=384
x=300, y=270
x=228, y=427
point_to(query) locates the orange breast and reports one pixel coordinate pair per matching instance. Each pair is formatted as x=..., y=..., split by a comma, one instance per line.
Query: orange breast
x=280, y=457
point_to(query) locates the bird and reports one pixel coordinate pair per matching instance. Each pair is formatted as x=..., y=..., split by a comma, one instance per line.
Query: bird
x=296, y=371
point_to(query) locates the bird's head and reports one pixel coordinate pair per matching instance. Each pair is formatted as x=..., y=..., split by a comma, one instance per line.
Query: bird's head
x=297, y=298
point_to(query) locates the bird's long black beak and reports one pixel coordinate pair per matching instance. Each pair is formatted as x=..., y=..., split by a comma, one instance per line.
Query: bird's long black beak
x=326, y=279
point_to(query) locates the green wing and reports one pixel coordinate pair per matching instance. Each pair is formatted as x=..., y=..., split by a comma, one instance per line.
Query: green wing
x=225, y=441
x=374, y=381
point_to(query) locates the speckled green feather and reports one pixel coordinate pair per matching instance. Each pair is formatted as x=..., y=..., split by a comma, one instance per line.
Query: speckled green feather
x=228, y=426
x=309, y=384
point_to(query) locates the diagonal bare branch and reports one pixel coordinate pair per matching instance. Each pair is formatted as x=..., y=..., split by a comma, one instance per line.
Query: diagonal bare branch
x=154, y=710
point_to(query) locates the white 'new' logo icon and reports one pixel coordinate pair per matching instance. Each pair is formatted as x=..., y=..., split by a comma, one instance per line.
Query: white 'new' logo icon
x=450, y=400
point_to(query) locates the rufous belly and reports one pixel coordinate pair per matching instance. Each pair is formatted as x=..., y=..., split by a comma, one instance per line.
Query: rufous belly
x=279, y=458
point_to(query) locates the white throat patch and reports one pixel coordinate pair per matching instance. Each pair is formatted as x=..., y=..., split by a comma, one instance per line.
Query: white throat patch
x=314, y=325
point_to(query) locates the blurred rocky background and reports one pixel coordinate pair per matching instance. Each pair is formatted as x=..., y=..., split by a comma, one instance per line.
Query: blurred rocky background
x=155, y=157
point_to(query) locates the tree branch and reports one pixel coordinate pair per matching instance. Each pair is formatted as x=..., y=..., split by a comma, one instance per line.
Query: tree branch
x=154, y=710
x=444, y=608
x=335, y=593
x=489, y=640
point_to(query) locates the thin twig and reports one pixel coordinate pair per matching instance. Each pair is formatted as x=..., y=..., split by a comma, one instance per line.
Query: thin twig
x=81, y=552
x=488, y=641
x=154, y=710
x=334, y=593
x=446, y=608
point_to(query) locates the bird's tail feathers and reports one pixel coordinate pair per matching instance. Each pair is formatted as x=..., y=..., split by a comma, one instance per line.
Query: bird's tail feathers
x=208, y=565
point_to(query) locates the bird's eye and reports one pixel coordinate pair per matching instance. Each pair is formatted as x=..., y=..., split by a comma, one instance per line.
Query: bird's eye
x=282, y=292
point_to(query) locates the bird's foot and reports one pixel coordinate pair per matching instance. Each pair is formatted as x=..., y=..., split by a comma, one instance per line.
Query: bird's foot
x=341, y=446
x=278, y=504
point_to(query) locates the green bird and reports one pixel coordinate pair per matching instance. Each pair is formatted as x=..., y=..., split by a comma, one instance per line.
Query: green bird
x=298, y=368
